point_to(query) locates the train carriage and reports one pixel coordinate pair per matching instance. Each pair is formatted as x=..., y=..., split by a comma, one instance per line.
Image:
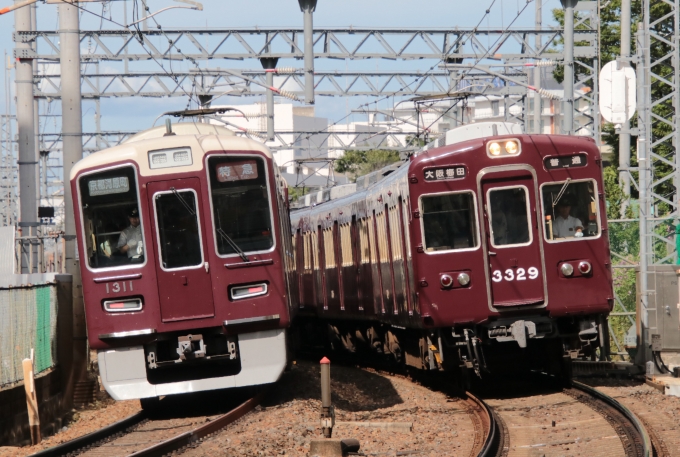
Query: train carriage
x=186, y=261
x=487, y=248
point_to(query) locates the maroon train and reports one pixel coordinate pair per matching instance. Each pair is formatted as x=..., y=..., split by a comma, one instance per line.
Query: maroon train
x=186, y=261
x=483, y=251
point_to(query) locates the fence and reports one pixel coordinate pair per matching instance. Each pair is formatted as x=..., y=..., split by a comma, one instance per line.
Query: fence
x=28, y=320
x=48, y=250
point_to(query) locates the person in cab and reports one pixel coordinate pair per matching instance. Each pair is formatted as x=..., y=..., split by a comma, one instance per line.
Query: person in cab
x=566, y=225
x=130, y=240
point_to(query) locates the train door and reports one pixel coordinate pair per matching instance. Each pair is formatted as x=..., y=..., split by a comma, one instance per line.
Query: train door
x=184, y=284
x=513, y=241
x=330, y=271
x=300, y=265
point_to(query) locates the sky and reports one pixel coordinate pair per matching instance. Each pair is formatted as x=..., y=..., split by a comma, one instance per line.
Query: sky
x=126, y=114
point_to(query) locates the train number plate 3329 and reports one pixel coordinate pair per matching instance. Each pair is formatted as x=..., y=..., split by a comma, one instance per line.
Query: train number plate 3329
x=520, y=274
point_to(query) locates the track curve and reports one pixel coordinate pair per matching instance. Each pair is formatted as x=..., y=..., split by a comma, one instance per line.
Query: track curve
x=126, y=428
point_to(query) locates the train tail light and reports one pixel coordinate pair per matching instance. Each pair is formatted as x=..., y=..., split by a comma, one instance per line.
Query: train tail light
x=585, y=268
x=446, y=281
x=567, y=269
x=252, y=290
x=123, y=306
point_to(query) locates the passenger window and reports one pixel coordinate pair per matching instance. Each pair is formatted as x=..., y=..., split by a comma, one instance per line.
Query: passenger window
x=509, y=216
x=178, y=230
x=570, y=210
x=240, y=199
x=112, y=227
x=449, y=221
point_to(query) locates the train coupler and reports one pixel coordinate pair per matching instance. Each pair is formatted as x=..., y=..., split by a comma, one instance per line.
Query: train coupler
x=190, y=347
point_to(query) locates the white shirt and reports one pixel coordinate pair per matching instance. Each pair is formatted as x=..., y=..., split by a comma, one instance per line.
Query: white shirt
x=131, y=236
x=566, y=228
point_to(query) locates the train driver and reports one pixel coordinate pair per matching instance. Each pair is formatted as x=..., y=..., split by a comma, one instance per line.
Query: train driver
x=566, y=225
x=130, y=240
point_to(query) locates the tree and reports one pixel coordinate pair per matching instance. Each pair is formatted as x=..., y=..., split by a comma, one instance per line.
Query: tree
x=357, y=163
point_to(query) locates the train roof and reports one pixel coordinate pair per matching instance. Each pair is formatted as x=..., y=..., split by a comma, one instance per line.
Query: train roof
x=200, y=138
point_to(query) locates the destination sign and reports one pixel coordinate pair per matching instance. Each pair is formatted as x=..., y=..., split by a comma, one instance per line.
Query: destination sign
x=445, y=173
x=578, y=160
x=108, y=186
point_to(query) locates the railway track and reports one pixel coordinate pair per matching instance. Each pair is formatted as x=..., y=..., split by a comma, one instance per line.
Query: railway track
x=579, y=419
x=533, y=418
x=491, y=432
x=142, y=435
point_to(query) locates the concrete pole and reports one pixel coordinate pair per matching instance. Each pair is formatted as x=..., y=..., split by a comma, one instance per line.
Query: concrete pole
x=72, y=146
x=643, y=354
x=143, y=13
x=308, y=7
x=36, y=104
x=28, y=160
x=624, y=136
x=568, y=82
x=270, y=64
x=537, y=71
x=204, y=101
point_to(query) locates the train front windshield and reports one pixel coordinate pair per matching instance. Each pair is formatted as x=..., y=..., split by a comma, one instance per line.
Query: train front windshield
x=112, y=226
x=449, y=221
x=240, y=202
x=570, y=210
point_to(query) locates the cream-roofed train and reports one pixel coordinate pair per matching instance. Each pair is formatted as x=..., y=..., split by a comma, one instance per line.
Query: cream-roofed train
x=185, y=249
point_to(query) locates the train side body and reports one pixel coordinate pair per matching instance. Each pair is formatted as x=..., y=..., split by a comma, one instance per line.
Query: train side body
x=457, y=238
x=200, y=316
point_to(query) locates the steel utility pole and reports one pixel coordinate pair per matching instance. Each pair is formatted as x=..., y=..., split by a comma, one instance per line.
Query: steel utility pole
x=537, y=70
x=624, y=135
x=269, y=63
x=72, y=128
x=308, y=7
x=568, y=82
x=28, y=159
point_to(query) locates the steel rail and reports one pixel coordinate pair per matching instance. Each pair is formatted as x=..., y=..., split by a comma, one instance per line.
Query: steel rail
x=185, y=439
x=93, y=438
x=493, y=442
x=157, y=450
x=644, y=438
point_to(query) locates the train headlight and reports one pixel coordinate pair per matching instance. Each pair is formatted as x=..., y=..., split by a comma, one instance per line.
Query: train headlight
x=446, y=281
x=463, y=279
x=567, y=269
x=494, y=149
x=511, y=147
x=585, y=268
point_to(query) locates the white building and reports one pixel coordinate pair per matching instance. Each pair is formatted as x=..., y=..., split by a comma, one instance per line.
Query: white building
x=289, y=120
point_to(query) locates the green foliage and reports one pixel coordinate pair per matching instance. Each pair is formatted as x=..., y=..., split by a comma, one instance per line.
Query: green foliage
x=624, y=241
x=610, y=33
x=295, y=192
x=358, y=163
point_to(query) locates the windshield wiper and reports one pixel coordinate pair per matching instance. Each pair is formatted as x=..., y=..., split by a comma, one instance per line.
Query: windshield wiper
x=186, y=205
x=561, y=192
x=219, y=230
x=228, y=239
